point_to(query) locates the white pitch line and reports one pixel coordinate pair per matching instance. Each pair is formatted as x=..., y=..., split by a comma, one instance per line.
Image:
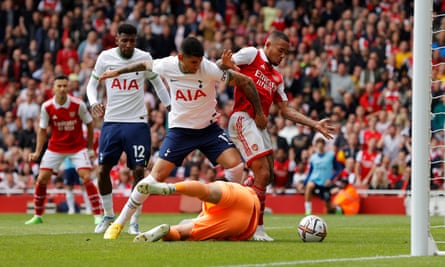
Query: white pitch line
x=285, y=263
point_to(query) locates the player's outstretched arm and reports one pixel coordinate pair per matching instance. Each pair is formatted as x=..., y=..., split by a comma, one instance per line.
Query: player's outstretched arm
x=323, y=125
x=247, y=84
x=146, y=65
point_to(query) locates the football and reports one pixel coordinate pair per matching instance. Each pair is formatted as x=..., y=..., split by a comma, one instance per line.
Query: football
x=312, y=229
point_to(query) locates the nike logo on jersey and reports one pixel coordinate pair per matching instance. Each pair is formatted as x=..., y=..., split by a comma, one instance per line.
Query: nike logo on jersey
x=139, y=160
x=173, y=80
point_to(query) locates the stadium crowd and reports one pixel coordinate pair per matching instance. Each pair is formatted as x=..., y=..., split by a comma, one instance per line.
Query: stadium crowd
x=349, y=60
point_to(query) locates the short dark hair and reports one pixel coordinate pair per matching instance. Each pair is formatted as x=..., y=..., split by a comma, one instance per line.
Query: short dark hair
x=192, y=47
x=127, y=29
x=60, y=77
x=320, y=140
x=274, y=35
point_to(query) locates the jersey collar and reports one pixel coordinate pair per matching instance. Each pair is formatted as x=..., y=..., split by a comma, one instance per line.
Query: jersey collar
x=65, y=105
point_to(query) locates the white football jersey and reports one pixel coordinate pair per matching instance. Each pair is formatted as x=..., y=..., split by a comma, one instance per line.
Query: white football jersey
x=193, y=95
x=125, y=93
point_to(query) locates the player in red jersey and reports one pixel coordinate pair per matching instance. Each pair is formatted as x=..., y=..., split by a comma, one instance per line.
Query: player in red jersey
x=254, y=143
x=65, y=115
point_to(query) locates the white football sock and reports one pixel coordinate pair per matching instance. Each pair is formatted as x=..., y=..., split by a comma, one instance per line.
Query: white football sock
x=308, y=206
x=133, y=203
x=107, y=204
x=70, y=200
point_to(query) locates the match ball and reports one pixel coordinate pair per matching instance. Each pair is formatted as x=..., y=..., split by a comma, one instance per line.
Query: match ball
x=312, y=229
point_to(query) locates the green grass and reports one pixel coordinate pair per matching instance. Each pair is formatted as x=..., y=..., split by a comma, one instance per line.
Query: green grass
x=68, y=240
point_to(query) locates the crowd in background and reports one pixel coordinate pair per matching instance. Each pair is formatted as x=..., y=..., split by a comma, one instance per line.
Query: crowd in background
x=349, y=60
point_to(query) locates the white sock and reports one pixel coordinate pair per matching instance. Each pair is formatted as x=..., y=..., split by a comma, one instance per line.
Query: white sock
x=70, y=200
x=308, y=206
x=235, y=174
x=135, y=217
x=107, y=204
x=134, y=202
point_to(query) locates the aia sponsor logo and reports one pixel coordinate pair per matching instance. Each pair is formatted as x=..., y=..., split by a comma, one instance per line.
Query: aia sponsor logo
x=189, y=94
x=124, y=84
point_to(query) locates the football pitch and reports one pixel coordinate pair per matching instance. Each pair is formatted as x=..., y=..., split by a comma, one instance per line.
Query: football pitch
x=68, y=240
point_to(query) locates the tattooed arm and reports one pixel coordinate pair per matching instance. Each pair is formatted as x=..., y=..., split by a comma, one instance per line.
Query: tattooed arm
x=139, y=66
x=248, y=86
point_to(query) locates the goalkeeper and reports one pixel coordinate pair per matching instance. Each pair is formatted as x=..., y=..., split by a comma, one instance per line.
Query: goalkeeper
x=230, y=211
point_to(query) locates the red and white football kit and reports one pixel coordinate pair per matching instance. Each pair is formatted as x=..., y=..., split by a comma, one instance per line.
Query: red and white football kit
x=249, y=139
x=67, y=137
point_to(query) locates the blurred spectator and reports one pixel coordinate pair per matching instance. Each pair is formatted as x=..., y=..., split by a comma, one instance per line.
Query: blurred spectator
x=90, y=47
x=299, y=176
x=165, y=43
x=283, y=168
x=301, y=142
x=395, y=177
x=384, y=120
x=34, y=53
x=269, y=14
x=346, y=200
x=348, y=171
x=209, y=21
x=50, y=7
x=391, y=142
x=146, y=40
x=195, y=174
x=277, y=141
x=51, y=43
x=369, y=133
x=389, y=96
x=370, y=74
x=403, y=56
x=438, y=121
x=11, y=184
x=64, y=56
x=4, y=83
x=366, y=162
x=380, y=179
x=124, y=182
x=370, y=99
x=28, y=109
x=339, y=83
x=349, y=104
x=288, y=131
x=210, y=175
x=27, y=138
x=17, y=66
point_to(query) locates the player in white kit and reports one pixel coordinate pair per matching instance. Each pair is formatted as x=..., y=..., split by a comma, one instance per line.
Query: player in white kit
x=125, y=126
x=192, y=121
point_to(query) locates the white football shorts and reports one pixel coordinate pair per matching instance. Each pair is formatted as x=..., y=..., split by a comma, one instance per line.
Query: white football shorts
x=52, y=160
x=251, y=141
